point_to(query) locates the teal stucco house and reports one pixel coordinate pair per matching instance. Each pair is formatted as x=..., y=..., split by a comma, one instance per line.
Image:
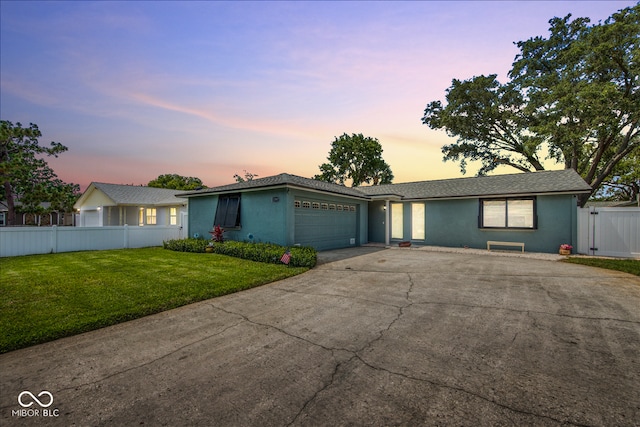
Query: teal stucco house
x=537, y=209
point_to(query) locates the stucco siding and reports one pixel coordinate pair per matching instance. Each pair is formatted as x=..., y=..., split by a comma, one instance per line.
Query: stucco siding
x=201, y=214
x=262, y=217
x=455, y=223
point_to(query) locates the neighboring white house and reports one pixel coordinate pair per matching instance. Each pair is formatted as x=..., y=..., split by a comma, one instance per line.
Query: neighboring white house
x=116, y=205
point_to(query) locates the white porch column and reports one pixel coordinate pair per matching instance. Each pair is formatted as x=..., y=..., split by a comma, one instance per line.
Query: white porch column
x=387, y=223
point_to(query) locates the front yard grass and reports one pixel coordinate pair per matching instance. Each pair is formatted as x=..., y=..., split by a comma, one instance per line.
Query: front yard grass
x=627, y=265
x=46, y=297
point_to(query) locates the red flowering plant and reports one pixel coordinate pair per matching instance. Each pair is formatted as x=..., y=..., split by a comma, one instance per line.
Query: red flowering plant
x=566, y=247
x=217, y=235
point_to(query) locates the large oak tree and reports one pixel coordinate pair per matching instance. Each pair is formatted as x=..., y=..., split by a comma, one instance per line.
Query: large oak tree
x=25, y=175
x=573, y=97
x=355, y=158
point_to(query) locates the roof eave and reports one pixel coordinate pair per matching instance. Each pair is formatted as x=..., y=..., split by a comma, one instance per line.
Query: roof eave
x=212, y=192
x=498, y=195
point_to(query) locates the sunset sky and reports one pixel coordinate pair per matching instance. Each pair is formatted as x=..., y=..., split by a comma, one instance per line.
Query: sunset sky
x=210, y=89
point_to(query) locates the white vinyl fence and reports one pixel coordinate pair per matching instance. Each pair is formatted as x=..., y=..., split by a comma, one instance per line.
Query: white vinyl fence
x=611, y=232
x=16, y=241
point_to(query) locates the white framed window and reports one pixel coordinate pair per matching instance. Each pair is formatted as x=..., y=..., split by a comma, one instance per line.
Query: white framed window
x=173, y=216
x=397, y=220
x=417, y=221
x=151, y=216
x=297, y=204
x=517, y=213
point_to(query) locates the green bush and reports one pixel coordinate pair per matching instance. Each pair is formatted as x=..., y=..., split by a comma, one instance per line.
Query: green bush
x=301, y=256
x=186, y=245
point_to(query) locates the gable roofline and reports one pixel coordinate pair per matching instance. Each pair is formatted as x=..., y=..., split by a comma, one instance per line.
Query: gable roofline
x=133, y=195
x=85, y=195
x=283, y=180
x=566, y=181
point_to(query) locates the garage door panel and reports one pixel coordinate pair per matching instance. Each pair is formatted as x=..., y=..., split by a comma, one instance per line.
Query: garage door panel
x=325, y=229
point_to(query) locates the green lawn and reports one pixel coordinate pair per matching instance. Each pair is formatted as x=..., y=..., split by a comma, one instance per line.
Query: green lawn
x=45, y=297
x=627, y=265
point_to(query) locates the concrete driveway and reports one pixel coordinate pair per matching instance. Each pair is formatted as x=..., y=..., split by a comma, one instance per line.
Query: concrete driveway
x=392, y=337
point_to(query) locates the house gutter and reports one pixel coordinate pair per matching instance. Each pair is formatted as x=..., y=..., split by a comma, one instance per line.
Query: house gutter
x=273, y=187
x=497, y=195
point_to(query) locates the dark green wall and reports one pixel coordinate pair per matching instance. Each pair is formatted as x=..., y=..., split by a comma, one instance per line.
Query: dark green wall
x=454, y=223
x=262, y=217
x=201, y=213
x=269, y=216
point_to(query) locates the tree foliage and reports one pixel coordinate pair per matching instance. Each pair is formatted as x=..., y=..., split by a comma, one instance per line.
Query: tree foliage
x=491, y=125
x=573, y=97
x=248, y=176
x=26, y=176
x=624, y=182
x=356, y=158
x=176, y=182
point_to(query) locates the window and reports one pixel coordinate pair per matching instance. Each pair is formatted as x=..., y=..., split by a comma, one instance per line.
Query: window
x=417, y=221
x=325, y=206
x=151, y=216
x=297, y=204
x=228, y=211
x=141, y=217
x=3, y=220
x=173, y=216
x=397, y=221
x=306, y=205
x=508, y=213
x=315, y=205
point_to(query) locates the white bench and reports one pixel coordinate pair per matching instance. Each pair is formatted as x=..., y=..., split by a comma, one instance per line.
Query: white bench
x=492, y=242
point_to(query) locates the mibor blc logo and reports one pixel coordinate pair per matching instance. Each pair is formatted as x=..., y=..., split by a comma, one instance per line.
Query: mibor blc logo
x=35, y=405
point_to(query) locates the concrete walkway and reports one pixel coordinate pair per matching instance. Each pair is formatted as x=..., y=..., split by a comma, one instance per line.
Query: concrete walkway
x=390, y=337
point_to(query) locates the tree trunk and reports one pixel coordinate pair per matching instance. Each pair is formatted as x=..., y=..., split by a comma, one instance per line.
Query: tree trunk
x=11, y=209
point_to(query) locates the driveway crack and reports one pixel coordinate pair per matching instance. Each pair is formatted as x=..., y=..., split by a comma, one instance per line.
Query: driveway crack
x=321, y=389
x=468, y=392
x=527, y=311
x=152, y=361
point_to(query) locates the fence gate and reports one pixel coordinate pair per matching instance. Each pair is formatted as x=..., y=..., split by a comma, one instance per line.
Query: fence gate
x=611, y=232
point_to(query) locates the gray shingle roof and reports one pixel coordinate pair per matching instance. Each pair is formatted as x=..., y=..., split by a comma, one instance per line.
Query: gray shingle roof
x=137, y=195
x=562, y=181
x=544, y=182
x=283, y=179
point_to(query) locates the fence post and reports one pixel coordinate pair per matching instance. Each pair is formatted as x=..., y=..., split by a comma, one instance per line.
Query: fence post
x=54, y=239
x=126, y=236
